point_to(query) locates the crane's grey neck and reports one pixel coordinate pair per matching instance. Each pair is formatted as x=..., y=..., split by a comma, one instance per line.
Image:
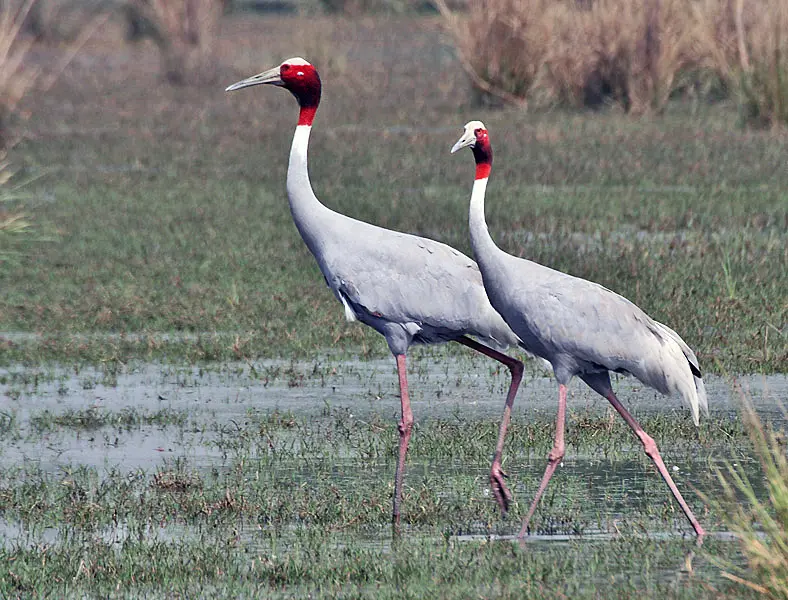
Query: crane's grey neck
x=482, y=243
x=307, y=211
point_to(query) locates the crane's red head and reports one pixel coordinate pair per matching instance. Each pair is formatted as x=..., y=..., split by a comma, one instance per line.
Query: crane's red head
x=477, y=138
x=295, y=75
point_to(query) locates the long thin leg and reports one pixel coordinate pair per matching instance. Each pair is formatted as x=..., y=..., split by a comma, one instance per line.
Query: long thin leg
x=405, y=428
x=501, y=492
x=555, y=456
x=653, y=453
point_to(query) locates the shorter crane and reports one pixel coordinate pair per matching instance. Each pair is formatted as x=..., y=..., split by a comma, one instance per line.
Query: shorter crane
x=580, y=327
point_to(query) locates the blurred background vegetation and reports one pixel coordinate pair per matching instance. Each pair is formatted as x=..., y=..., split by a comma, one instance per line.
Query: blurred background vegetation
x=578, y=53
x=637, y=55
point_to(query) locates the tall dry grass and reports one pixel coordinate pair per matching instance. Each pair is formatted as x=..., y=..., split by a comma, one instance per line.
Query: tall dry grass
x=746, y=43
x=16, y=77
x=620, y=51
x=18, y=74
x=56, y=21
x=575, y=52
x=185, y=32
x=502, y=44
x=587, y=52
x=760, y=525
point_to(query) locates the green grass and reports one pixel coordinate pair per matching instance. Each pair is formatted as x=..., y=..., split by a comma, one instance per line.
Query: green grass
x=319, y=566
x=184, y=255
x=174, y=218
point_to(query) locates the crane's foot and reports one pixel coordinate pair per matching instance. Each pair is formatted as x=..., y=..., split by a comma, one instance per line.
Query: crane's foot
x=502, y=494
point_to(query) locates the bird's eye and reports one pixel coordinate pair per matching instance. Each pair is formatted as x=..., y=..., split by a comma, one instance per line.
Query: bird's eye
x=300, y=73
x=285, y=67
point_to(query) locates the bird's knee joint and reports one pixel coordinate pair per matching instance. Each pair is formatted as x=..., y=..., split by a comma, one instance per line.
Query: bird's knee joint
x=649, y=445
x=555, y=455
x=517, y=369
x=405, y=425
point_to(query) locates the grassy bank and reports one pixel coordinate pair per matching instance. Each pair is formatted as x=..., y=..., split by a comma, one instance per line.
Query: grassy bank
x=161, y=211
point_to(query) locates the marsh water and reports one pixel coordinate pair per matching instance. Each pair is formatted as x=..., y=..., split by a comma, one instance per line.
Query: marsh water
x=139, y=422
x=226, y=395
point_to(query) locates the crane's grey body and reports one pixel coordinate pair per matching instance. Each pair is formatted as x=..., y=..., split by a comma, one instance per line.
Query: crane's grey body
x=584, y=329
x=411, y=289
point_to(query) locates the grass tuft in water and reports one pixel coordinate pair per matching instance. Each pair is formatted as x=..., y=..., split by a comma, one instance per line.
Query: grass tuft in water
x=761, y=524
x=95, y=418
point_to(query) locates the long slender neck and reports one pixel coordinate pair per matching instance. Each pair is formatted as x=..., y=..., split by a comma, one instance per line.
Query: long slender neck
x=482, y=243
x=307, y=211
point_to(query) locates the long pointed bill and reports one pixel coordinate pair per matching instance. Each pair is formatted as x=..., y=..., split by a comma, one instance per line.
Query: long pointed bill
x=468, y=139
x=271, y=76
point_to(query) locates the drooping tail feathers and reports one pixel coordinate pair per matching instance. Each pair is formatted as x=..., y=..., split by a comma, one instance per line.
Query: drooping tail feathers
x=700, y=389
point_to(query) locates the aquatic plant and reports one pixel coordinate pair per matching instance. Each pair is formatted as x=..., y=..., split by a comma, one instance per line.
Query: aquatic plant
x=760, y=525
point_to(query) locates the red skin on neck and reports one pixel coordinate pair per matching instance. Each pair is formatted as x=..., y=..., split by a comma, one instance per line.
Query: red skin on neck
x=307, y=115
x=482, y=153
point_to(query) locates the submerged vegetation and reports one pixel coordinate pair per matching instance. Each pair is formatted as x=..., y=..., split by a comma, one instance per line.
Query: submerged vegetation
x=141, y=497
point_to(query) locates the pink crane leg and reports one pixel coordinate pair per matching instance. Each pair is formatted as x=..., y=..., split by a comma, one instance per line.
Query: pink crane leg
x=555, y=456
x=653, y=453
x=502, y=494
x=405, y=428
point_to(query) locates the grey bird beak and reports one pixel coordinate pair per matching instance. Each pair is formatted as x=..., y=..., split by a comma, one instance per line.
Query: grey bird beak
x=468, y=139
x=270, y=76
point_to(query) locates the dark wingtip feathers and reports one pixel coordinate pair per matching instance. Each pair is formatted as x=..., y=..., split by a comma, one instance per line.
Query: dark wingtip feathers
x=695, y=370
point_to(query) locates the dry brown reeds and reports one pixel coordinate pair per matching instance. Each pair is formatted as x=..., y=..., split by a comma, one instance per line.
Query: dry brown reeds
x=618, y=50
x=502, y=44
x=18, y=75
x=746, y=43
x=56, y=21
x=579, y=53
x=587, y=52
x=185, y=32
x=15, y=77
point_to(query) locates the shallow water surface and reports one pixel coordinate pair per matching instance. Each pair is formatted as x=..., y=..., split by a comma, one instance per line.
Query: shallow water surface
x=199, y=396
x=257, y=455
